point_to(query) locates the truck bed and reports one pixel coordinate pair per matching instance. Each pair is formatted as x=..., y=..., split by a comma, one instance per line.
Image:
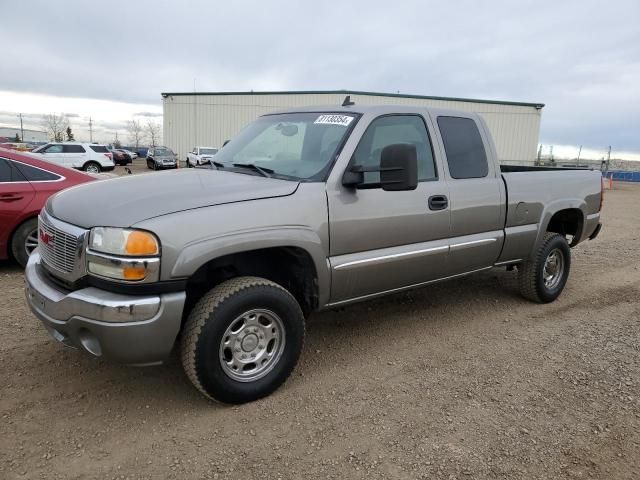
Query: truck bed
x=526, y=168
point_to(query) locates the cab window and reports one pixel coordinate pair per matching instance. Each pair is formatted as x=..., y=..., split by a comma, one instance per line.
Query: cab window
x=391, y=129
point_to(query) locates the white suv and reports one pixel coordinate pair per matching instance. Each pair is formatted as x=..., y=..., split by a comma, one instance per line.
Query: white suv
x=90, y=157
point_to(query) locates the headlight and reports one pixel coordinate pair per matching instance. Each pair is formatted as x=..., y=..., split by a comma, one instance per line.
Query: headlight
x=123, y=254
x=121, y=241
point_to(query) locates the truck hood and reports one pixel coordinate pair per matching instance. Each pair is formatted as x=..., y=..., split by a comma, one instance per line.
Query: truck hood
x=125, y=201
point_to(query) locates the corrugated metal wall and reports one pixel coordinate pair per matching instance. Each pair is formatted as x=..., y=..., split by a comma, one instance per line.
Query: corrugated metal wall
x=209, y=120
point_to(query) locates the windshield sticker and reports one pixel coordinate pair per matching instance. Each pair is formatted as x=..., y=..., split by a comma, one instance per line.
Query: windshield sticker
x=343, y=120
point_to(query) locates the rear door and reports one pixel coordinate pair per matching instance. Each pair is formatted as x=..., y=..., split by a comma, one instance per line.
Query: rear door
x=15, y=195
x=381, y=240
x=476, y=193
x=74, y=155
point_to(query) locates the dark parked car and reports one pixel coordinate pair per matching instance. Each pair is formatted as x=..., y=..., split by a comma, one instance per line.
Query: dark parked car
x=159, y=158
x=120, y=157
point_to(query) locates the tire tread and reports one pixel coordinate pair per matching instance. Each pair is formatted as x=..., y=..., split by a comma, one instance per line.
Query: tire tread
x=202, y=311
x=528, y=271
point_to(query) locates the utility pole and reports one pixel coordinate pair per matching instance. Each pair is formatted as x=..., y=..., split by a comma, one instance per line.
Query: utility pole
x=578, y=160
x=608, y=157
x=539, y=154
x=21, y=129
x=90, y=131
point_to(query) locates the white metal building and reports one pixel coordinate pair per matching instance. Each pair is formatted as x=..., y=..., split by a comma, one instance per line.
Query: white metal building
x=29, y=135
x=210, y=118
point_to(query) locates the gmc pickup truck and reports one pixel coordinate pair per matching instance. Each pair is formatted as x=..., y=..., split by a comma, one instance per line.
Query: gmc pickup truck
x=303, y=210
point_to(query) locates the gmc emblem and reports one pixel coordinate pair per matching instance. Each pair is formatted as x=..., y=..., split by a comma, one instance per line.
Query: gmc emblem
x=46, y=238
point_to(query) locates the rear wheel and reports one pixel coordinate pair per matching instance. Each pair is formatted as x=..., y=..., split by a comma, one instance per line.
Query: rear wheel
x=25, y=241
x=543, y=278
x=91, y=167
x=242, y=340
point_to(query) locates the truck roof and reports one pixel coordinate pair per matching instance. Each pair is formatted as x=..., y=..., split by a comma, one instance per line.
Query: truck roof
x=373, y=109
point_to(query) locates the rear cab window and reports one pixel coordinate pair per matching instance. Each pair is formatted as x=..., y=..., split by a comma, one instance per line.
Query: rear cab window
x=463, y=147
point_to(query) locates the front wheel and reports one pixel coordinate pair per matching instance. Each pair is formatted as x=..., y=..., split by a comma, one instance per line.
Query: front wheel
x=542, y=278
x=242, y=340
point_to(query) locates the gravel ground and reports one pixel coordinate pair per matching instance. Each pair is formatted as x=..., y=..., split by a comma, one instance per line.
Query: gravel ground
x=460, y=380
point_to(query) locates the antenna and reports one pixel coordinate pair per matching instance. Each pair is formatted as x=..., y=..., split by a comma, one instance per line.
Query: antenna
x=347, y=101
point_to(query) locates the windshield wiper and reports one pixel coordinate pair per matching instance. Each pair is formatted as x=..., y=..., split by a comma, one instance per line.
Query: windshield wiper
x=265, y=172
x=218, y=165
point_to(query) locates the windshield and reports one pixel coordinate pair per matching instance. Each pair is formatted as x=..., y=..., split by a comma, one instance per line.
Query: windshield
x=208, y=151
x=293, y=145
x=163, y=151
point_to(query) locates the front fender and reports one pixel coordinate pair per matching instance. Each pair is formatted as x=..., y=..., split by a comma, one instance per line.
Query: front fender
x=198, y=253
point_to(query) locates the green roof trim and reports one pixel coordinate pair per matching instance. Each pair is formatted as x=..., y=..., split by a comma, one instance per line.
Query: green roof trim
x=357, y=92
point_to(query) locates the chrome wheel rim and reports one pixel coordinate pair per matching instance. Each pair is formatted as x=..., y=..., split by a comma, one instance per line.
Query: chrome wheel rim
x=252, y=345
x=92, y=169
x=31, y=242
x=553, y=268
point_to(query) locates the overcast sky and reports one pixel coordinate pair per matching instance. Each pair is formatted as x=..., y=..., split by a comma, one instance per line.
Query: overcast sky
x=111, y=60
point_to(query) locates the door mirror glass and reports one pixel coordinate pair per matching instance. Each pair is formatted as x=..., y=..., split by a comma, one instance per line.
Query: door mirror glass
x=399, y=167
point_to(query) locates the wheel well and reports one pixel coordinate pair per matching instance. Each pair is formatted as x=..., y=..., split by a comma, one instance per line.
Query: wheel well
x=567, y=222
x=289, y=267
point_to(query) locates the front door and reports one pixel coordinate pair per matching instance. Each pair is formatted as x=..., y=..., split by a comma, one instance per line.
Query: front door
x=382, y=241
x=54, y=154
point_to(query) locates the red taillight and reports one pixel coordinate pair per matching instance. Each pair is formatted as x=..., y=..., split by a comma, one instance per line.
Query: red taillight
x=109, y=156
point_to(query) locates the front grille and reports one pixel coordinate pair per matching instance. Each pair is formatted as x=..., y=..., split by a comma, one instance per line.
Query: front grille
x=58, y=249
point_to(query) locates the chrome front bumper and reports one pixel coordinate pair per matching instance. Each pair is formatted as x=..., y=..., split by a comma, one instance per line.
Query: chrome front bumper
x=131, y=329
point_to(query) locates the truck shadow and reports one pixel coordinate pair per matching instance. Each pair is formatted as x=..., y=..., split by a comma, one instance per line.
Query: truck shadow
x=369, y=332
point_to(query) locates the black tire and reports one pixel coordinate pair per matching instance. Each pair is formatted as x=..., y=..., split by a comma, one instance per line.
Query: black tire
x=19, y=239
x=531, y=274
x=217, y=312
x=92, y=167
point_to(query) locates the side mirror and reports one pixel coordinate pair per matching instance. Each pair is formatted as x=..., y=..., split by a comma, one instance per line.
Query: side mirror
x=399, y=167
x=398, y=170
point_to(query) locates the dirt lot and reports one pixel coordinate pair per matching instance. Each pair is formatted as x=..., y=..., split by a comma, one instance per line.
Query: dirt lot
x=460, y=380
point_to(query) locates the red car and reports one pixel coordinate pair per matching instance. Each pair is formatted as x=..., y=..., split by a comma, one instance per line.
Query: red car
x=25, y=185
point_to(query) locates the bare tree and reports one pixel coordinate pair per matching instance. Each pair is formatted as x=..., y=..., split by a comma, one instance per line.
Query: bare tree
x=56, y=126
x=136, y=132
x=153, y=132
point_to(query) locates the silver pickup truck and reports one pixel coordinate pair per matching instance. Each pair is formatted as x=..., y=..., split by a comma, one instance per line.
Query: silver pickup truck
x=303, y=210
